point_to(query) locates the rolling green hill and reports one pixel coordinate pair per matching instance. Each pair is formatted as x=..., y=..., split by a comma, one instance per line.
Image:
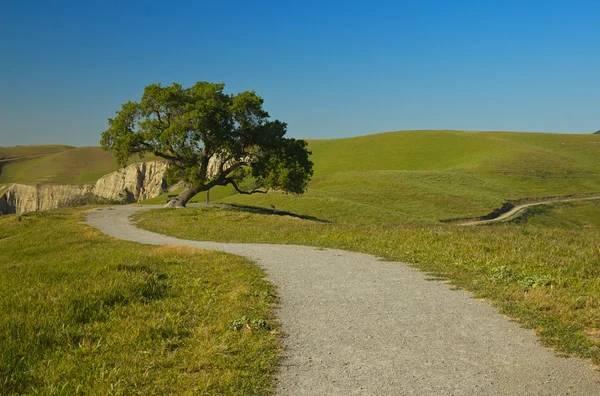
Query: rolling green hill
x=56, y=164
x=7, y=153
x=434, y=175
x=423, y=176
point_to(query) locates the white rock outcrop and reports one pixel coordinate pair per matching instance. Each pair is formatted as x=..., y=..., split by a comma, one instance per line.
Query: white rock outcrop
x=130, y=184
x=133, y=183
x=20, y=198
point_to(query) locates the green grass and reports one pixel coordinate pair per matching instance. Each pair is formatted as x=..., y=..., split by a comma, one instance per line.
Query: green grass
x=428, y=176
x=545, y=277
x=423, y=176
x=570, y=215
x=31, y=151
x=81, y=313
x=72, y=165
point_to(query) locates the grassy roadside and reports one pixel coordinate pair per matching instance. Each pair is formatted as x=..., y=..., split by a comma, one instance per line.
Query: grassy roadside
x=547, y=278
x=81, y=313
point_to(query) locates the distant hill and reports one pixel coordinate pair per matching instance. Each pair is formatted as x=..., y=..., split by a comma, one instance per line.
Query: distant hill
x=387, y=177
x=55, y=164
x=597, y=133
x=30, y=151
x=433, y=175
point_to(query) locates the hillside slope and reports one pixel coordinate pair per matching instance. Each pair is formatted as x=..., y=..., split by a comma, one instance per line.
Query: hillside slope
x=388, y=177
x=433, y=175
x=7, y=153
x=56, y=164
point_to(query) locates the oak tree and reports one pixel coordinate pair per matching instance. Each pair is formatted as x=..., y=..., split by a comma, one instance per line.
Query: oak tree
x=210, y=138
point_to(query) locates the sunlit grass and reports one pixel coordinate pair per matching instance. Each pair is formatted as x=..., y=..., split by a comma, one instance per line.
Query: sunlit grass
x=548, y=278
x=82, y=313
x=66, y=166
x=427, y=176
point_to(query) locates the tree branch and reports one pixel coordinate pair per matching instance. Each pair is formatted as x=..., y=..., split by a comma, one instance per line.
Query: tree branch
x=256, y=190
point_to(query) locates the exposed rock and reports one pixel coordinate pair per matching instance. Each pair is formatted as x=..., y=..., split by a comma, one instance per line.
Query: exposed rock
x=20, y=198
x=216, y=165
x=133, y=183
x=177, y=186
x=130, y=184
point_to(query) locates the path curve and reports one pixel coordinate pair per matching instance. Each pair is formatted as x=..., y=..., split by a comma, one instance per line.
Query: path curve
x=514, y=211
x=358, y=325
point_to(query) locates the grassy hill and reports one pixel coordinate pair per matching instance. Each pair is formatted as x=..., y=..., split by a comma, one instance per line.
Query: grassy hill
x=55, y=164
x=433, y=175
x=7, y=153
x=567, y=215
x=422, y=176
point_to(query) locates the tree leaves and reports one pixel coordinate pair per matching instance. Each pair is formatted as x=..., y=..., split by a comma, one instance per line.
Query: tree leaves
x=190, y=127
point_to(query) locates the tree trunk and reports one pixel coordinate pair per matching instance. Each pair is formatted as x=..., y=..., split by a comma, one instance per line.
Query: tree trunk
x=182, y=199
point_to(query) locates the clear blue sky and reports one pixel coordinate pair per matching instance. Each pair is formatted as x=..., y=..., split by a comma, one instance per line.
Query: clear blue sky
x=328, y=70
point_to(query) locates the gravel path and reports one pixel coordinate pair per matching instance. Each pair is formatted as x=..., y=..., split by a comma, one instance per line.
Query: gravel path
x=357, y=325
x=517, y=209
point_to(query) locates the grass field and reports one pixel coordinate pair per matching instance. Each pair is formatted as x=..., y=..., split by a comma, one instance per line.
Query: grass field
x=383, y=194
x=31, y=151
x=569, y=215
x=81, y=313
x=427, y=176
x=546, y=277
x=56, y=164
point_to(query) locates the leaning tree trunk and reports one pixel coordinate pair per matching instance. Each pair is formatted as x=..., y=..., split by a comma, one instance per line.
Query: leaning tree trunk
x=182, y=199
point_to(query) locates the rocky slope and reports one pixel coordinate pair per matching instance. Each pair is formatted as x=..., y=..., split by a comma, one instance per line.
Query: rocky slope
x=130, y=184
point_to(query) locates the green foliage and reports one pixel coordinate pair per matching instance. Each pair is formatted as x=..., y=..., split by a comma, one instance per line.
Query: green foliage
x=210, y=138
x=83, y=313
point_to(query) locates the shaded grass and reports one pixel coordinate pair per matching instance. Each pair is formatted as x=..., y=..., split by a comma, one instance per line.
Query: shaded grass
x=81, y=313
x=546, y=278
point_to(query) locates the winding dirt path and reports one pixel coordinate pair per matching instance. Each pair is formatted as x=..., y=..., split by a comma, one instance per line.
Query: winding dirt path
x=357, y=325
x=517, y=209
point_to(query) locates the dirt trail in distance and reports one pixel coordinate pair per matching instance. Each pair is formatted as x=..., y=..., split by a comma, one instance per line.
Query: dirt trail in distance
x=517, y=209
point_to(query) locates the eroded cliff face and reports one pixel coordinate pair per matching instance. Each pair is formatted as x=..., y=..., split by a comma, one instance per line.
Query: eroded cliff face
x=133, y=183
x=22, y=198
x=130, y=184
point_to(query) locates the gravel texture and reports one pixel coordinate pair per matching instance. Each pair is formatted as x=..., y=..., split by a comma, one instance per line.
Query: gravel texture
x=358, y=325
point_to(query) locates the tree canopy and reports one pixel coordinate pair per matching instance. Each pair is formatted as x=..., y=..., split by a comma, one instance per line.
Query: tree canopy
x=210, y=138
